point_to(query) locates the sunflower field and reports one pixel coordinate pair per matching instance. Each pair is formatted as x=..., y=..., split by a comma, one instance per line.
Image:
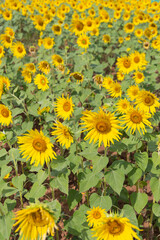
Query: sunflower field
x=79, y=120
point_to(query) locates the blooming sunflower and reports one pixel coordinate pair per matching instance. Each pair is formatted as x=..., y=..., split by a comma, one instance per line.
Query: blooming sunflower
x=57, y=60
x=27, y=75
x=5, y=81
x=77, y=76
x=120, y=76
x=138, y=32
x=102, y=127
x=129, y=27
x=30, y=67
x=41, y=81
x=39, y=23
x=36, y=146
x=107, y=82
x=5, y=115
x=2, y=51
x=44, y=67
x=125, y=64
x=123, y=105
x=57, y=29
x=6, y=40
x=138, y=77
x=83, y=41
x=48, y=42
x=35, y=222
x=147, y=101
x=138, y=60
x=78, y=27
x=64, y=107
x=63, y=133
x=136, y=119
x=132, y=92
x=115, y=227
x=106, y=38
x=9, y=31
x=96, y=216
x=7, y=15
x=18, y=50
x=115, y=90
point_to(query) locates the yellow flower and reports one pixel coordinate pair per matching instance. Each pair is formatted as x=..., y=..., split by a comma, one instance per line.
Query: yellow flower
x=115, y=90
x=39, y=23
x=78, y=27
x=107, y=82
x=102, y=127
x=96, y=216
x=48, y=42
x=57, y=29
x=138, y=60
x=6, y=40
x=57, y=60
x=106, y=38
x=5, y=115
x=129, y=27
x=115, y=227
x=35, y=222
x=41, y=81
x=132, y=92
x=77, y=76
x=123, y=105
x=2, y=51
x=44, y=67
x=147, y=101
x=44, y=109
x=7, y=15
x=120, y=40
x=37, y=147
x=120, y=76
x=27, y=75
x=125, y=64
x=64, y=136
x=136, y=119
x=64, y=107
x=18, y=50
x=9, y=31
x=2, y=136
x=5, y=81
x=138, y=77
x=98, y=79
x=30, y=67
x=83, y=41
x=138, y=33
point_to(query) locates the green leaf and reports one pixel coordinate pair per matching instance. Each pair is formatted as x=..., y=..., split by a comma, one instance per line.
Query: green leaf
x=141, y=160
x=99, y=163
x=156, y=209
x=138, y=201
x=3, y=152
x=115, y=178
x=33, y=110
x=90, y=152
x=61, y=183
x=155, y=187
x=36, y=191
x=155, y=159
x=7, y=223
x=122, y=165
x=105, y=202
x=129, y=212
x=135, y=175
x=18, y=181
x=5, y=170
x=56, y=207
x=91, y=179
x=74, y=198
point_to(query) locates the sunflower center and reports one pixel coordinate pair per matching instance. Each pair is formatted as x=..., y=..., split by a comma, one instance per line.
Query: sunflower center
x=66, y=133
x=136, y=117
x=67, y=106
x=96, y=215
x=80, y=26
x=103, y=126
x=149, y=100
x=59, y=60
x=43, y=81
x=124, y=105
x=84, y=41
x=5, y=113
x=0, y=50
x=57, y=28
x=77, y=77
x=139, y=75
x=40, y=23
x=130, y=26
x=20, y=49
x=39, y=218
x=127, y=63
x=8, y=39
x=136, y=59
x=115, y=227
x=39, y=144
x=117, y=89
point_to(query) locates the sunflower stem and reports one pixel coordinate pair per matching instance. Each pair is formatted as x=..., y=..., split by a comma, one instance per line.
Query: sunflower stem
x=151, y=217
x=105, y=170
x=87, y=196
x=49, y=175
x=1, y=212
x=21, y=199
x=57, y=235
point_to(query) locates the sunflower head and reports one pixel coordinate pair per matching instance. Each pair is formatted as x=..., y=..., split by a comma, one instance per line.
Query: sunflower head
x=96, y=216
x=77, y=76
x=64, y=107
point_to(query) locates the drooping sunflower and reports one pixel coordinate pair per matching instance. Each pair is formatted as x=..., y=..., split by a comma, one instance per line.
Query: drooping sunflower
x=132, y=92
x=2, y=51
x=123, y=105
x=102, y=127
x=37, y=147
x=48, y=42
x=41, y=81
x=115, y=90
x=30, y=67
x=18, y=50
x=57, y=60
x=115, y=227
x=83, y=41
x=96, y=216
x=44, y=67
x=36, y=221
x=5, y=115
x=138, y=77
x=63, y=133
x=125, y=64
x=27, y=75
x=98, y=79
x=147, y=101
x=5, y=81
x=138, y=60
x=77, y=76
x=135, y=119
x=6, y=40
x=64, y=107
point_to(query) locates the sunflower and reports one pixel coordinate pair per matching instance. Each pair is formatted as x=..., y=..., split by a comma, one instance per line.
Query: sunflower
x=102, y=127
x=138, y=60
x=147, y=101
x=36, y=146
x=57, y=60
x=27, y=75
x=9, y=31
x=30, y=67
x=39, y=23
x=7, y=15
x=6, y=40
x=120, y=76
x=18, y=50
x=136, y=119
x=42, y=110
x=35, y=221
x=120, y=40
x=138, y=33
x=96, y=216
x=123, y=105
x=44, y=67
x=41, y=81
x=146, y=45
x=57, y=29
x=98, y=79
x=125, y=64
x=115, y=90
x=2, y=51
x=78, y=27
x=63, y=133
x=115, y=227
x=89, y=24
x=77, y=76
x=129, y=27
x=83, y=41
x=107, y=82
x=48, y=42
x=132, y=92
x=106, y=38
x=64, y=107
x=5, y=115
x=138, y=77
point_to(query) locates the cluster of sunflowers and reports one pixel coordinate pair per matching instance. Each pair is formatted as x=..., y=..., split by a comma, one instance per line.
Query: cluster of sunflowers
x=89, y=71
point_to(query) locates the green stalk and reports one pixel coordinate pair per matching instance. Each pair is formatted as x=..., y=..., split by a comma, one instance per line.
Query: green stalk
x=49, y=175
x=57, y=235
x=1, y=212
x=105, y=170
